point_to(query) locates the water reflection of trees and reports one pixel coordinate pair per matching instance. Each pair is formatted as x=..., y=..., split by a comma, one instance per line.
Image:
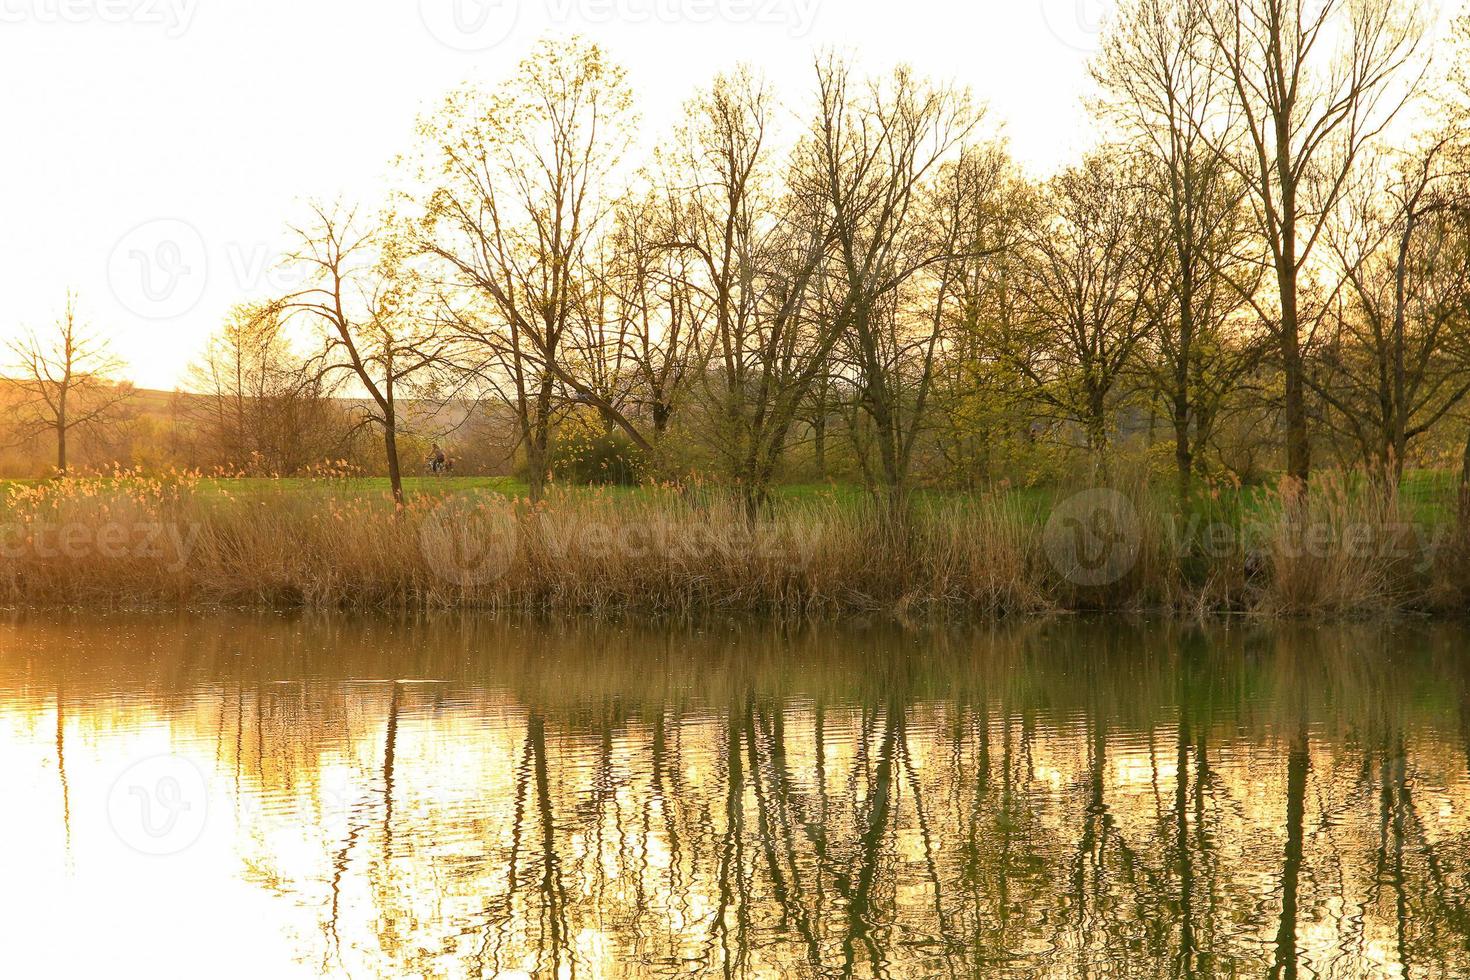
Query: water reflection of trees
x=1053, y=800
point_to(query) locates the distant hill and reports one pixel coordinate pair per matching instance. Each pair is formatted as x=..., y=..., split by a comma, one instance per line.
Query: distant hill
x=160, y=432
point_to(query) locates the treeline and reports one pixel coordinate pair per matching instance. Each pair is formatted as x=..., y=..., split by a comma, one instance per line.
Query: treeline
x=1261, y=267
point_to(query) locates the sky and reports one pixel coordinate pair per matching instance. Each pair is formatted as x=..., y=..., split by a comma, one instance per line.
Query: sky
x=153, y=152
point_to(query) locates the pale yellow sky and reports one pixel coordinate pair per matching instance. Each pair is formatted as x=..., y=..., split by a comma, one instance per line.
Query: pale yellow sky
x=155, y=149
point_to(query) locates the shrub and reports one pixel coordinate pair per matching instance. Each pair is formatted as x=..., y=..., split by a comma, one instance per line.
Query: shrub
x=592, y=458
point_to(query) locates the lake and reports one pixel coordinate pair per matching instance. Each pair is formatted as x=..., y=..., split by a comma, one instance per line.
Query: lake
x=277, y=796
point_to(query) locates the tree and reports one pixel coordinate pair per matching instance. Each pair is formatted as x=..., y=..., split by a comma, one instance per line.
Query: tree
x=755, y=238
x=358, y=293
x=1160, y=71
x=657, y=327
x=976, y=421
x=258, y=403
x=1081, y=284
x=1393, y=363
x=1314, y=84
x=66, y=380
x=1456, y=104
x=520, y=195
x=875, y=158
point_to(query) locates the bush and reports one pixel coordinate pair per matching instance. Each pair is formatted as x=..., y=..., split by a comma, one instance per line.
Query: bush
x=596, y=459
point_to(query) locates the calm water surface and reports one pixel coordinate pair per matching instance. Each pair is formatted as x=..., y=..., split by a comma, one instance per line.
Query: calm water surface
x=271, y=797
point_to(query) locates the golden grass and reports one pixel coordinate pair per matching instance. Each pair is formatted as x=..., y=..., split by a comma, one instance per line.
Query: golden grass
x=140, y=541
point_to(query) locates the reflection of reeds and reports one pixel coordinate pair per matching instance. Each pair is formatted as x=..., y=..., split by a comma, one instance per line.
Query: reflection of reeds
x=148, y=541
x=1052, y=667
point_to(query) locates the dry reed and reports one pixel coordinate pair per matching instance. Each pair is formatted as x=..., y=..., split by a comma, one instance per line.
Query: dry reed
x=141, y=541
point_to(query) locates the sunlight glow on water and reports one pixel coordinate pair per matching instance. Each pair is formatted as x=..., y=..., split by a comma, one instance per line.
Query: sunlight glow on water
x=256, y=796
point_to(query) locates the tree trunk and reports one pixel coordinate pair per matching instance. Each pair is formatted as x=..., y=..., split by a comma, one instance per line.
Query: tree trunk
x=1298, y=449
x=538, y=444
x=536, y=461
x=1400, y=375
x=1097, y=433
x=1183, y=449
x=1183, y=452
x=819, y=441
x=893, y=488
x=61, y=432
x=390, y=445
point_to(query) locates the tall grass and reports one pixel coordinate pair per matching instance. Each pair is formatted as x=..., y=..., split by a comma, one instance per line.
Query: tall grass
x=1348, y=550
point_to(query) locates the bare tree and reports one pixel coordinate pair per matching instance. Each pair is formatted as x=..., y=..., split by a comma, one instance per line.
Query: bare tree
x=1315, y=81
x=257, y=404
x=1393, y=363
x=1081, y=285
x=66, y=380
x=657, y=325
x=875, y=158
x=358, y=294
x=754, y=240
x=1159, y=68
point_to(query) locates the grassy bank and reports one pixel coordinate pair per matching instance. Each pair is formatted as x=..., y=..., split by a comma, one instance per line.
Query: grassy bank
x=1353, y=550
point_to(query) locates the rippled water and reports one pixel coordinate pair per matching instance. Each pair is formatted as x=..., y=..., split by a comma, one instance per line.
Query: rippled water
x=259, y=796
